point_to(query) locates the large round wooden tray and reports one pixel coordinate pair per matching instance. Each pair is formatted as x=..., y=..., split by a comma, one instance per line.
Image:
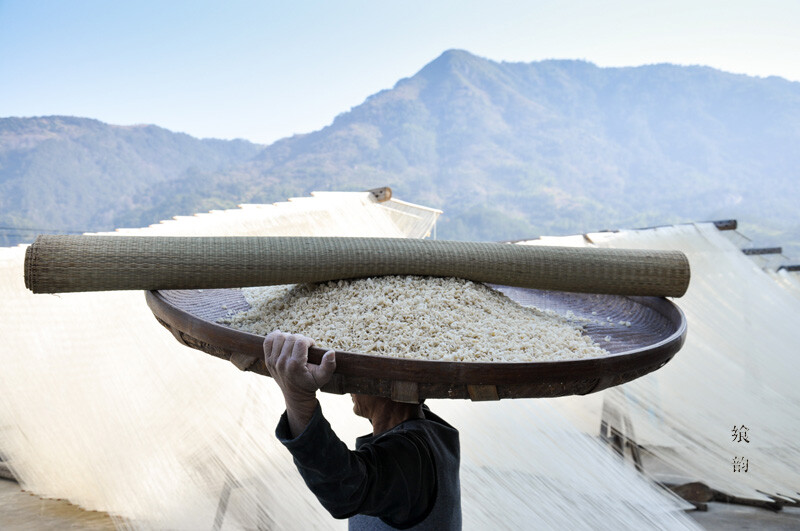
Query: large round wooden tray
x=657, y=331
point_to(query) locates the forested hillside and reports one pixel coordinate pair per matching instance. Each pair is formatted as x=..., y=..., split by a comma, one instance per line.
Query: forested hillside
x=79, y=174
x=507, y=150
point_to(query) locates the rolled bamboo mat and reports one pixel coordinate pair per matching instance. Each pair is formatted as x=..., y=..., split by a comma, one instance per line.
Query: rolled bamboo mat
x=56, y=264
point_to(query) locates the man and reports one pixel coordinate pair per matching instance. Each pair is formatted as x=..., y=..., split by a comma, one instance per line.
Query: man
x=403, y=476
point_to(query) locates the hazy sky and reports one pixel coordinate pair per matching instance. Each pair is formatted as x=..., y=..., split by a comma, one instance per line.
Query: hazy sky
x=263, y=70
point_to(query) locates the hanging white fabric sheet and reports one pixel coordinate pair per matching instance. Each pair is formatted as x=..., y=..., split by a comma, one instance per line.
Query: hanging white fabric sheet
x=734, y=379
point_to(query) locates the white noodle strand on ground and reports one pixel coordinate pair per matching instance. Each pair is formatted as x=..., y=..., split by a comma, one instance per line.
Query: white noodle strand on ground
x=429, y=318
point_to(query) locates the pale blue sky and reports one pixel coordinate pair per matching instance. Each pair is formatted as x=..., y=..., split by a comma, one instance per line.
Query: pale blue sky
x=263, y=70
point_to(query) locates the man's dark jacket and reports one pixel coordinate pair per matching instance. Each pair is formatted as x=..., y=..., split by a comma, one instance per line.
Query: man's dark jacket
x=404, y=478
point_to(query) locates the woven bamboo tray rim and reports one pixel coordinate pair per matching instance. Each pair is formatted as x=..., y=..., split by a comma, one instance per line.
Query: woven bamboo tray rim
x=403, y=378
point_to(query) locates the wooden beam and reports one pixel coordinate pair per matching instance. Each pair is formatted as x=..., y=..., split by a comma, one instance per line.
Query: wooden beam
x=762, y=250
x=726, y=224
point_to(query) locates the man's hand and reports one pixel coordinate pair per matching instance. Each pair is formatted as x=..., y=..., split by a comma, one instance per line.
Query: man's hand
x=286, y=357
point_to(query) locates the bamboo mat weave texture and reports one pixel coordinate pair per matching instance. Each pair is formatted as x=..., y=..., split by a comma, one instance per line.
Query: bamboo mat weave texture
x=55, y=264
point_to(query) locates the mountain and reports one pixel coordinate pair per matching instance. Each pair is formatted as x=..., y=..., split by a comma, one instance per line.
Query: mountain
x=516, y=150
x=80, y=174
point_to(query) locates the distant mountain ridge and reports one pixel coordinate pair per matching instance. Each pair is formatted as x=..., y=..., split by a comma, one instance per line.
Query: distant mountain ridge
x=513, y=150
x=71, y=173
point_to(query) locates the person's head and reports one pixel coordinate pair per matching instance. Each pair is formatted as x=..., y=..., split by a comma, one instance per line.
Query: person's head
x=384, y=413
x=367, y=405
